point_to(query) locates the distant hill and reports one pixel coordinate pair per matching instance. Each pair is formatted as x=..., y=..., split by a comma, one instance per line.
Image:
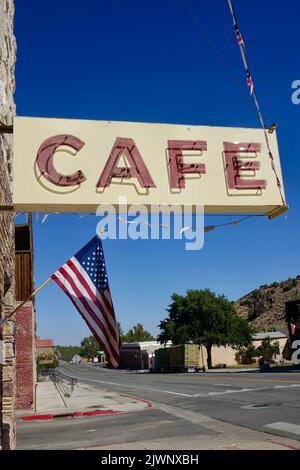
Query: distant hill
x=264, y=307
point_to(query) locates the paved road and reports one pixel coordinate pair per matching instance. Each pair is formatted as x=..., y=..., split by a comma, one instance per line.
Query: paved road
x=268, y=403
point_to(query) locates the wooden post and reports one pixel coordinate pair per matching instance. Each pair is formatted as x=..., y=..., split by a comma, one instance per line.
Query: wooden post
x=29, y=298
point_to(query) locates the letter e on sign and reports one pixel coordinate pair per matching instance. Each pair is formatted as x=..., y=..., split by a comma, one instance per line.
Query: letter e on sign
x=235, y=166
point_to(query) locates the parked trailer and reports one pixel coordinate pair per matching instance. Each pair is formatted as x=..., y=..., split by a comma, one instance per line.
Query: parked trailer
x=134, y=358
x=181, y=358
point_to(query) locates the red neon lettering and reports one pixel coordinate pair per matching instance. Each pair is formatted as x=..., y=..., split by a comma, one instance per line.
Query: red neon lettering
x=234, y=166
x=177, y=168
x=137, y=168
x=44, y=160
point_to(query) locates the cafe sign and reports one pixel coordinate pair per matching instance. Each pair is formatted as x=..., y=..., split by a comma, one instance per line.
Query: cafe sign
x=68, y=165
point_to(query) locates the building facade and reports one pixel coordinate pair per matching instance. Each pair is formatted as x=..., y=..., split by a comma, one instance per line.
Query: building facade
x=7, y=259
x=25, y=357
x=25, y=318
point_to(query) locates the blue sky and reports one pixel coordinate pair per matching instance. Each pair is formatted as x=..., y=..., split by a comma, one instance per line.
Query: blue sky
x=147, y=61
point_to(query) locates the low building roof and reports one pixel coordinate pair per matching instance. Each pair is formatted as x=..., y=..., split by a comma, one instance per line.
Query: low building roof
x=145, y=344
x=269, y=334
x=44, y=343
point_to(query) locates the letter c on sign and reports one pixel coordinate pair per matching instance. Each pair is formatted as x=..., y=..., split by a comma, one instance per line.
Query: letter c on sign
x=44, y=160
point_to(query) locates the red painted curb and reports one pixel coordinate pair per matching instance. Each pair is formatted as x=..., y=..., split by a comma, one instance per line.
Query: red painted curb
x=72, y=414
x=149, y=404
x=35, y=417
x=77, y=414
x=289, y=446
x=230, y=447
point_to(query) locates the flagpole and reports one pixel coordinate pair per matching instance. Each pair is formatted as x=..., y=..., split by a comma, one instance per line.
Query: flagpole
x=27, y=300
x=36, y=291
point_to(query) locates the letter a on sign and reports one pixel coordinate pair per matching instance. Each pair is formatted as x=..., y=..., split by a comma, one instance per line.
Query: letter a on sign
x=137, y=168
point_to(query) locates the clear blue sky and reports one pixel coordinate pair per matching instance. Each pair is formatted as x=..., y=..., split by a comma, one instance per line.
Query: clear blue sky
x=147, y=61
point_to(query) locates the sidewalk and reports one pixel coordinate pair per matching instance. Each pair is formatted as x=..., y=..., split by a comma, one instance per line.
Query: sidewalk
x=85, y=400
x=233, y=369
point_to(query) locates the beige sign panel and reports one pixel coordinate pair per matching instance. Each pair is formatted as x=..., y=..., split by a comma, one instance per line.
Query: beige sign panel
x=69, y=165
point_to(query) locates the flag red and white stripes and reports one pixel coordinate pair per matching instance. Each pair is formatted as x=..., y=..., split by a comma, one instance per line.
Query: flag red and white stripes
x=83, y=279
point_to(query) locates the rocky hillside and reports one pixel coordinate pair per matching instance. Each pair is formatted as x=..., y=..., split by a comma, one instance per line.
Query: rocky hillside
x=264, y=307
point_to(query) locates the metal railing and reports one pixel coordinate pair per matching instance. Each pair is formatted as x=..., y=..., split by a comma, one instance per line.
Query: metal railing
x=63, y=382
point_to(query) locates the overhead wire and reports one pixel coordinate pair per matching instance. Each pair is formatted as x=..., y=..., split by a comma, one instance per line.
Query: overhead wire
x=253, y=93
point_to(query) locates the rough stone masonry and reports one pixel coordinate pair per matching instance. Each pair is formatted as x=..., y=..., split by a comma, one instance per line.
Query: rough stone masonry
x=7, y=260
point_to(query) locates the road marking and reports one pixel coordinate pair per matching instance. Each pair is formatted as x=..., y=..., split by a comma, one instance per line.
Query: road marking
x=209, y=394
x=132, y=386
x=287, y=386
x=225, y=385
x=287, y=427
x=200, y=378
x=177, y=393
x=227, y=392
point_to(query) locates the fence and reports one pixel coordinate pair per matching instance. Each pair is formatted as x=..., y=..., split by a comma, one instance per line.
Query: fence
x=64, y=384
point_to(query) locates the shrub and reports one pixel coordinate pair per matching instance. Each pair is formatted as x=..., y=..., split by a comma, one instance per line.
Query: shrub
x=251, y=313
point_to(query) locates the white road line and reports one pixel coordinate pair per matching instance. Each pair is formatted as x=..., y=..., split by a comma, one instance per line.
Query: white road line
x=225, y=385
x=287, y=427
x=227, y=392
x=207, y=395
x=177, y=393
x=133, y=386
x=287, y=386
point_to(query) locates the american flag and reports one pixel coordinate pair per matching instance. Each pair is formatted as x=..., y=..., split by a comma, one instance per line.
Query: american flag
x=249, y=81
x=84, y=279
x=238, y=35
x=293, y=328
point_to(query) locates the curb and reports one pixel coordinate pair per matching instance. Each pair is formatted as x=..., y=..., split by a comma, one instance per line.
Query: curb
x=148, y=403
x=71, y=414
x=78, y=414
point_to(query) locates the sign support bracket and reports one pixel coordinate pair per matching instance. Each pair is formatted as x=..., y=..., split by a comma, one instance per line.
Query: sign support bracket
x=6, y=128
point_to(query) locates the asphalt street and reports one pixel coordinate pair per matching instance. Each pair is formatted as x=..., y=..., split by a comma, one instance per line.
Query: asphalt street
x=183, y=405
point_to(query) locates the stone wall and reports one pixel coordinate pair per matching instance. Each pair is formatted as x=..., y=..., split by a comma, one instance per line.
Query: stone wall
x=7, y=287
x=25, y=357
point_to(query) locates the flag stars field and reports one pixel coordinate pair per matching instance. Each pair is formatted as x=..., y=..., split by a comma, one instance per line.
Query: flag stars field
x=84, y=280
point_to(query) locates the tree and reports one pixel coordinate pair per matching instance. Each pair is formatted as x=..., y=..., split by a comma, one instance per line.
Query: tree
x=246, y=355
x=137, y=333
x=121, y=331
x=267, y=349
x=89, y=347
x=66, y=353
x=205, y=318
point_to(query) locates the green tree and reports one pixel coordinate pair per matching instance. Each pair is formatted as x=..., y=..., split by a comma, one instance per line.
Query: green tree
x=267, y=350
x=121, y=331
x=89, y=347
x=66, y=353
x=247, y=354
x=205, y=318
x=137, y=333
